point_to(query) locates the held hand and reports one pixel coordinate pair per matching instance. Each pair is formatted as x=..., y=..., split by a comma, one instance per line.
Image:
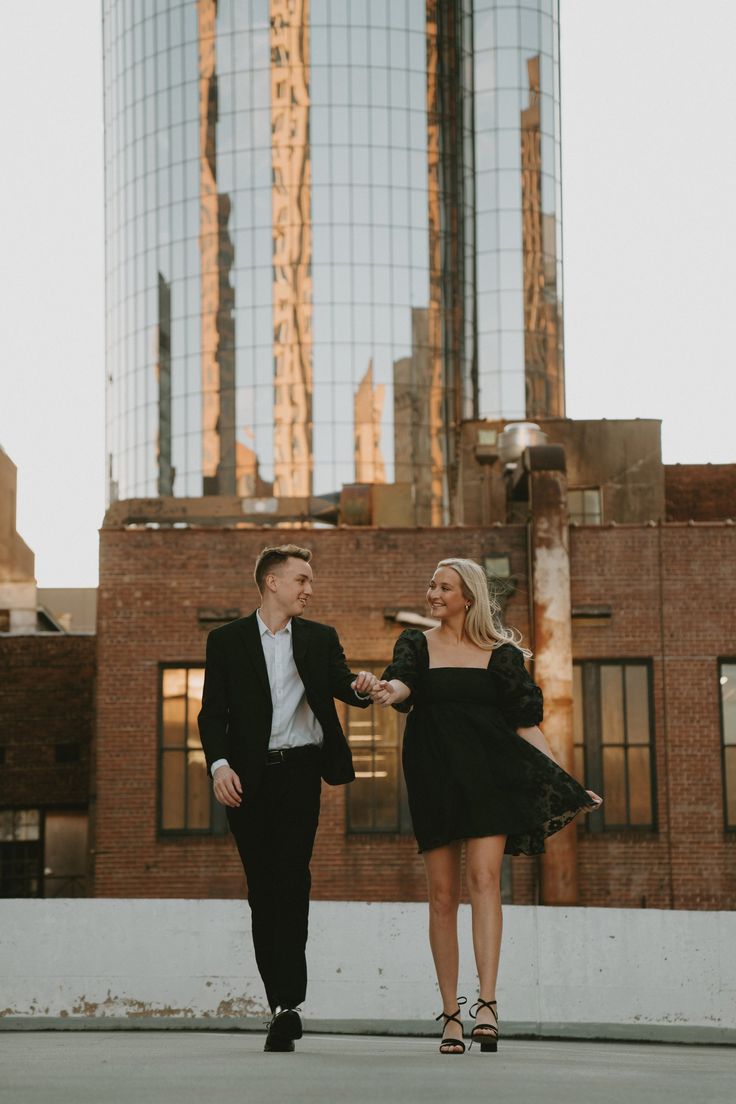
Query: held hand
x=364, y=684
x=595, y=803
x=228, y=790
x=384, y=693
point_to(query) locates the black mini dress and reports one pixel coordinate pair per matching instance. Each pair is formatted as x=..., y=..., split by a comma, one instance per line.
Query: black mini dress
x=468, y=773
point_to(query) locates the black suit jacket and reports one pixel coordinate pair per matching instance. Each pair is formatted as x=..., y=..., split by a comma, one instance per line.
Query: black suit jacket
x=235, y=719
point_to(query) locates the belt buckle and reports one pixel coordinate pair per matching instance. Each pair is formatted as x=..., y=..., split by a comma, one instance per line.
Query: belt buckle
x=281, y=754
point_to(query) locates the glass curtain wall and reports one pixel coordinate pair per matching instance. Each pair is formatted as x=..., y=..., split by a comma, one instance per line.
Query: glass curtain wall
x=519, y=208
x=290, y=244
x=333, y=232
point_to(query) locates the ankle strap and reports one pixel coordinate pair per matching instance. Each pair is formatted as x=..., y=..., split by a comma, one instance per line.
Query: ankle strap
x=482, y=1004
x=452, y=1016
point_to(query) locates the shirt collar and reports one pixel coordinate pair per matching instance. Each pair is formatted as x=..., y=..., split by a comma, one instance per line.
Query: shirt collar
x=263, y=627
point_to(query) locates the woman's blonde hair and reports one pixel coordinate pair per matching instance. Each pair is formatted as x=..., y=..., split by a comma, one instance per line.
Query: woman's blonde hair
x=483, y=623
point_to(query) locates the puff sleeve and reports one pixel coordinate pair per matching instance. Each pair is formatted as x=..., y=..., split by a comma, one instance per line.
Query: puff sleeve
x=405, y=664
x=522, y=702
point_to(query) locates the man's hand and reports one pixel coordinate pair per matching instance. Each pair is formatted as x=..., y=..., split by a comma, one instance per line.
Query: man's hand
x=385, y=693
x=228, y=790
x=364, y=683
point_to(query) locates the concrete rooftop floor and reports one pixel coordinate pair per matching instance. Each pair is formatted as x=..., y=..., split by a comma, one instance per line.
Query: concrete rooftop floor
x=163, y=1067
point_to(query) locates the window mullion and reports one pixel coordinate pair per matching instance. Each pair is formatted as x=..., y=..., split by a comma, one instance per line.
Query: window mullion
x=625, y=721
x=653, y=814
x=174, y=751
x=41, y=867
x=397, y=776
x=592, y=734
x=374, y=780
x=185, y=737
x=726, y=675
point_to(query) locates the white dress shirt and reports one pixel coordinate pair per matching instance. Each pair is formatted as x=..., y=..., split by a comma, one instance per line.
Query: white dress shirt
x=293, y=724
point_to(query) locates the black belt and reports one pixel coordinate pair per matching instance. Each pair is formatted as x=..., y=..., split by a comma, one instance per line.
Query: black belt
x=291, y=754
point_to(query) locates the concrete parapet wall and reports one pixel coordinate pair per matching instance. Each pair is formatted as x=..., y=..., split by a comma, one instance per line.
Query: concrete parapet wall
x=611, y=973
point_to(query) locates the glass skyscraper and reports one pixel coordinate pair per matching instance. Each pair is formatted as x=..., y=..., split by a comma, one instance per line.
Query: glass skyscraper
x=333, y=233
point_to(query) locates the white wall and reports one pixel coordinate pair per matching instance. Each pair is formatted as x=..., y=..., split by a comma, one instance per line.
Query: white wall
x=588, y=972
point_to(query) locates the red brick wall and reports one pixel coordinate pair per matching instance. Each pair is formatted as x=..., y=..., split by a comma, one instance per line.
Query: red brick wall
x=673, y=592
x=151, y=584
x=153, y=581
x=46, y=697
x=701, y=492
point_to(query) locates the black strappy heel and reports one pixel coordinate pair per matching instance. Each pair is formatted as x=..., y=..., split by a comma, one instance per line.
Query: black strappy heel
x=451, y=1017
x=485, y=1034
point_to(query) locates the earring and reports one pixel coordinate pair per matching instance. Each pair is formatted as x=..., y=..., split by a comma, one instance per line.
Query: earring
x=467, y=607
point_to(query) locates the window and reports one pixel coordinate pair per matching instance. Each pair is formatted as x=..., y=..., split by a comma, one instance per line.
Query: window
x=498, y=567
x=727, y=675
x=20, y=853
x=67, y=753
x=376, y=800
x=584, y=504
x=65, y=851
x=501, y=583
x=43, y=853
x=612, y=720
x=186, y=801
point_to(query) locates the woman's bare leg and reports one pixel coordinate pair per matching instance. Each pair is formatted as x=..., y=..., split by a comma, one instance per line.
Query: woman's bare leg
x=443, y=886
x=483, y=860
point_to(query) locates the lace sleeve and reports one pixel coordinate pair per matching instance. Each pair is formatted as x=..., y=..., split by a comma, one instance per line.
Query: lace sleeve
x=522, y=703
x=405, y=664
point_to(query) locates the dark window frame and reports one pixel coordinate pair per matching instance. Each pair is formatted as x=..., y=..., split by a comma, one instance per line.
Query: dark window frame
x=68, y=753
x=43, y=878
x=721, y=661
x=85, y=880
x=592, y=746
x=402, y=825
x=218, y=818
x=39, y=846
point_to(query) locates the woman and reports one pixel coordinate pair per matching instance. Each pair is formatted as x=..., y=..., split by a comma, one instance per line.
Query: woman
x=478, y=770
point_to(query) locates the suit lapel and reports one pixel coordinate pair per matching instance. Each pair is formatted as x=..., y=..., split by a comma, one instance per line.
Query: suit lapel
x=251, y=637
x=299, y=644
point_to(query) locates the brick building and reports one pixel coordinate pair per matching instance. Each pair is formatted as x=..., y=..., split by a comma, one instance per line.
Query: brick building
x=649, y=552
x=46, y=723
x=651, y=627
x=46, y=720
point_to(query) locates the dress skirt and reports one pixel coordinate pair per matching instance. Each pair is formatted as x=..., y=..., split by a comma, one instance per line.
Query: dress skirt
x=468, y=773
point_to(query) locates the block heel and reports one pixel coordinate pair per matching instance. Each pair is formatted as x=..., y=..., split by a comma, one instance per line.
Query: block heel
x=486, y=1035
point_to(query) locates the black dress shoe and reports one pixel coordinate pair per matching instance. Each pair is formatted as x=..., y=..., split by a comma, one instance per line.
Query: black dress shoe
x=284, y=1028
x=283, y=1046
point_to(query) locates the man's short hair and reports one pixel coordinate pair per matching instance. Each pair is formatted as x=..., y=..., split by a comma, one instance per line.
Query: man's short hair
x=272, y=557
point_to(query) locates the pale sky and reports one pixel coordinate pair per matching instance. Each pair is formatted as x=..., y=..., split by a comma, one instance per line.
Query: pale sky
x=649, y=174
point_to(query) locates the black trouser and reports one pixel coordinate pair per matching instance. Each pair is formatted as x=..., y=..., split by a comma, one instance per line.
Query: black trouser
x=274, y=830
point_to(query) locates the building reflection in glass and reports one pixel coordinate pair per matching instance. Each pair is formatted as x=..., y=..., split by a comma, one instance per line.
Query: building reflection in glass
x=545, y=395
x=292, y=248
x=518, y=208
x=165, y=470
x=367, y=411
x=356, y=219
x=216, y=260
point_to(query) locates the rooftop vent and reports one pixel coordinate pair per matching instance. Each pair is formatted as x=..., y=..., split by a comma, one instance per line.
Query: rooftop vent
x=516, y=437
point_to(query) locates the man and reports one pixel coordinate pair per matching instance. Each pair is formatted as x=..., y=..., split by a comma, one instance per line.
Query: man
x=270, y=733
